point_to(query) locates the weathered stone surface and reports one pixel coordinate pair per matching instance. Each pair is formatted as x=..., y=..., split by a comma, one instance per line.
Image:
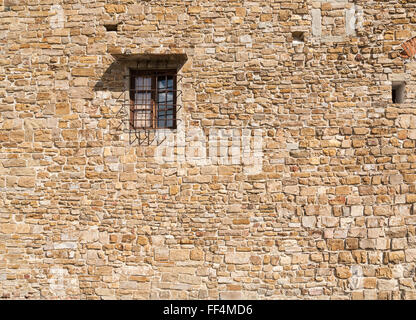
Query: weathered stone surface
x=325, y=208
x=197, y=254
x=14, y=163
x=237, y=258
x=26, y=182
x=179, y=255
x=231, y=295
x=343, y=272
x=142, y=240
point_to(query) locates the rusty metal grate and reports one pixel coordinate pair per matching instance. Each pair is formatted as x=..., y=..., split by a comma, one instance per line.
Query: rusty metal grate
x=150, y=104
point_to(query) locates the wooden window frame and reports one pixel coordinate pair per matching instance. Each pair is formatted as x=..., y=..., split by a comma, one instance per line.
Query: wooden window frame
x=154, y=74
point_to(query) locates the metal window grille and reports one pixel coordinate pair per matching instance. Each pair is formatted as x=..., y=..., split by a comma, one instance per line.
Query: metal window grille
x=153, y=96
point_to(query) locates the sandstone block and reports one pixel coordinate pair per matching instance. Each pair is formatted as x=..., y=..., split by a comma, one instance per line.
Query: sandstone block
x=343, y=272
x=357, y=211
x=26, y=182
x=179, y=254
x=396, y=256
x=410, y=255
x=197, y=254
x=14, y=163
x=142, y=240
x=309, y=222
x=237, y=258
x=161, y=254
x=114, y=8
x=231, y=295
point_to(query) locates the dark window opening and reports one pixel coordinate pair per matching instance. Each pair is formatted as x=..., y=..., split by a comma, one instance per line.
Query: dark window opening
x=153, y=99
x=111, y=27
x=398, y=92
x=298, y=37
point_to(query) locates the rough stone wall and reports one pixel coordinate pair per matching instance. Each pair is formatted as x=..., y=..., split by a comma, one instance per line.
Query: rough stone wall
x=86, y=214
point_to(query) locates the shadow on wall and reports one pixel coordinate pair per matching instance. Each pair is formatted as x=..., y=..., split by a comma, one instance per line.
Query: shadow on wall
x=112, y=89
x=113, y=78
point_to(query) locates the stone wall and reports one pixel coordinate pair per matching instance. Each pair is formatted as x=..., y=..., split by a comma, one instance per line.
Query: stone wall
x=86, y=213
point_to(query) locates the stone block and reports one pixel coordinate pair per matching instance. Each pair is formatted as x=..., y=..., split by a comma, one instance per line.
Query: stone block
x=237, y=258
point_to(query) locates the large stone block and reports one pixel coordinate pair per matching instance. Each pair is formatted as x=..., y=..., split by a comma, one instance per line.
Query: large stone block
x=237, y=258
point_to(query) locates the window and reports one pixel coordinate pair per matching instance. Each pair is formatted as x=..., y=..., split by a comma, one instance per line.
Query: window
x=397, y=92
x=153, y=99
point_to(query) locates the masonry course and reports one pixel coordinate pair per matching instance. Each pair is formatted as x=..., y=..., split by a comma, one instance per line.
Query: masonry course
x=86, y=214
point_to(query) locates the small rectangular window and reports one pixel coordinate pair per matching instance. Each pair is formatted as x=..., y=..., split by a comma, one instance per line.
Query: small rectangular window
x=111, y=27
x=153, y=99
x=298, y=37
x=398, y=92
